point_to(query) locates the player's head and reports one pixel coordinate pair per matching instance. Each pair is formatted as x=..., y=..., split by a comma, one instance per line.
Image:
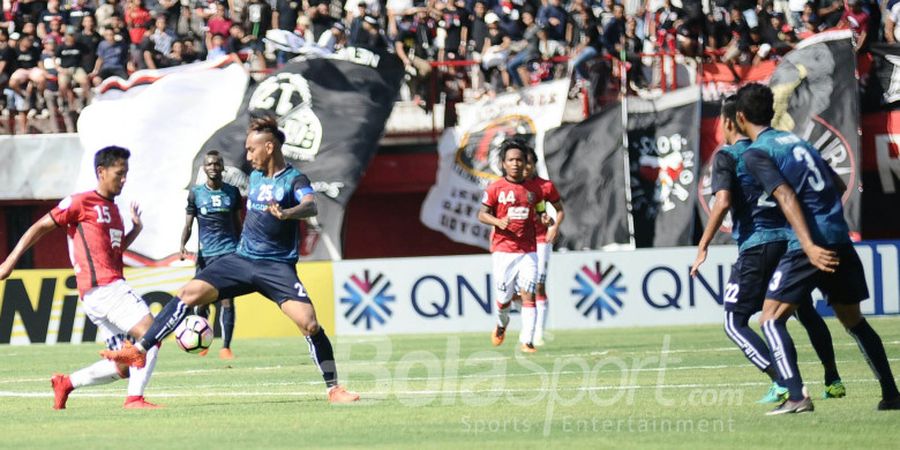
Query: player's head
x=264, y=140
x=530, y=163
x=213, y=165
x=729, y=119
x=513, y=158
x=111, y=168
x=755, y=106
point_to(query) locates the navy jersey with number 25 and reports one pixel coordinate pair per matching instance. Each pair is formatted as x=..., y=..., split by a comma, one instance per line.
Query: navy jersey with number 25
x=264, y=236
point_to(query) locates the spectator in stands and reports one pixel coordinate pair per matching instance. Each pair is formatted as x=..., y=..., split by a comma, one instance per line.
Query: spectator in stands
x=321, y=19
x=108, y=10
x=77, y=10
x=257, y=18
x=138, y=20
x=71, y=55
x=554, y=17
x=526, y=50
x=112, y=57
x=494, y=53
x=49, y=15
x=7, y=60
x=286, y=13
x=171, y=10
x=892, y=23
x=332, y=39
x=857, y=20
x=830, y=12
x=454, y=21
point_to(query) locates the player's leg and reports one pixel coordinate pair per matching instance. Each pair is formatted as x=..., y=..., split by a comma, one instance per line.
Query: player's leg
x=820, y=338
x=504, y=291
x=525, y=274
x=226, y=323
x=98, y=373
x=845, y=289
x=201, y=310
x=279, y=283
x=543, y=262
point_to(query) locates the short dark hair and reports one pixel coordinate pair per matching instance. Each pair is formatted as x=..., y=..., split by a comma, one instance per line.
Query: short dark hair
x=756, y=102
x=267, y=123
x=213, y=153
x=729, y=108
x=107, y=156
x=519, y=143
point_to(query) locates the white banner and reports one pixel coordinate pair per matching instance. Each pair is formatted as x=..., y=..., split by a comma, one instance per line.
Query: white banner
x=469, y=155
x=163, y=118
x=38, y=166
x=590, y=289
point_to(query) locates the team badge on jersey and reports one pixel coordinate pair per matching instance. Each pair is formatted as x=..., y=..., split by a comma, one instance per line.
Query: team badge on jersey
x=115, y=237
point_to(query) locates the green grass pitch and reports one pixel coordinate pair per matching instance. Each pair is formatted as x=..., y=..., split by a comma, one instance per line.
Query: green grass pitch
x=662, y=387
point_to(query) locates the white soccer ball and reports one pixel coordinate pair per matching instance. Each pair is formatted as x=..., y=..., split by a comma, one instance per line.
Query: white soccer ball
x=194, y=334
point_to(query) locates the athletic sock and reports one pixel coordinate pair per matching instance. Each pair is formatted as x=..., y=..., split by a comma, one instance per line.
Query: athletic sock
x=226, y=321
x=820, y=338
x=202, y=311
x=541, y=319
x=873, y=350
x=784, y=356
x=747, y=340
x=529, y=316
x=164, y=323
x=139, y=378
x=323, y=356
x=101, y=372
x=503, y=315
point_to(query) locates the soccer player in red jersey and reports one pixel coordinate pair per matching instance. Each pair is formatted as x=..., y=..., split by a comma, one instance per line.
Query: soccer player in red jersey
x=546, y=237
x=510, y=205
x=97, y=239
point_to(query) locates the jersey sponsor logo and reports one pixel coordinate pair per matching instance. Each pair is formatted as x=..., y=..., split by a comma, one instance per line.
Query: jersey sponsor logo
x=478, y=155
x=115, y=238
x=289, y=96
x=668, y=162
x=367, y=300
x=598, y=291
x=518, y=212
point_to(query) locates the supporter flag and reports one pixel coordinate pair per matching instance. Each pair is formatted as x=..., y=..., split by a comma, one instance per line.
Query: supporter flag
x=884, y=78
x=333, y=111
x=817, y=97
x=663, y=151
x=163, y=117
x=469, y=158
x=589, y=166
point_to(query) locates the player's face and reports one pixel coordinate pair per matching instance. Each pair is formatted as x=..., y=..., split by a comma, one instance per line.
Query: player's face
x=214, y=167
x=112, y=178
x=729, y=129
x=514, y=164
x=259, y=150
x=528, y=171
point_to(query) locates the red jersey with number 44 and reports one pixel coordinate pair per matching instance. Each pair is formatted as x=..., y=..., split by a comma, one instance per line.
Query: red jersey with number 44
x=515, y=201
x=551, y=195
x=96, y=238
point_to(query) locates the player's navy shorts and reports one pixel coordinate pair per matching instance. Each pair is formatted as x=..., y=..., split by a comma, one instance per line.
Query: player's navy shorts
x=204, y=261
x=746, y=288
x=234, y=275
x=796, y=277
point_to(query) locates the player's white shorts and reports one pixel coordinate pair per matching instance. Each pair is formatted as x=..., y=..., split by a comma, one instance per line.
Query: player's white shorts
x=115, y=309
x=543, y=261
x=513, y=272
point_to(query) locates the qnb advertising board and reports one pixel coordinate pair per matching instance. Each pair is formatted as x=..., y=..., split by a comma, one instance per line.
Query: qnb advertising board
x=586, y=290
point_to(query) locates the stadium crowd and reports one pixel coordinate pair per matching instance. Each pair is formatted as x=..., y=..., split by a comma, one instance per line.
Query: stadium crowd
x=52, y=52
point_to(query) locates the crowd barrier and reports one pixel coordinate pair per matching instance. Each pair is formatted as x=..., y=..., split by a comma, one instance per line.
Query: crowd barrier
x=586, y=289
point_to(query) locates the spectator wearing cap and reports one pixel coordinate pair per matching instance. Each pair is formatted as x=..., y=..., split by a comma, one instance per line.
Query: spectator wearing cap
x=494, y=52
x=555, y=17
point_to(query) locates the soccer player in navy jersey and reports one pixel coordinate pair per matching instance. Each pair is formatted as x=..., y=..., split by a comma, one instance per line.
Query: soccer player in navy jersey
x=760, y=249
x=265, y=261
x=794, y=173
x=217, y=207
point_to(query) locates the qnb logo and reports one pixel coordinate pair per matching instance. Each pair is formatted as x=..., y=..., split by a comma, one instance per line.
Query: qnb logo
x=599, y=291
x=368, y=300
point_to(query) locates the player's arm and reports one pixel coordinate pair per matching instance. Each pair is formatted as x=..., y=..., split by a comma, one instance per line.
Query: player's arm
x=190, y=214
x=136, y=224
x=553, y=229
x=722, y=180
x=486, y=217
x=43, y=226
x=837, y=180
x=767, y=174
x=306, y=207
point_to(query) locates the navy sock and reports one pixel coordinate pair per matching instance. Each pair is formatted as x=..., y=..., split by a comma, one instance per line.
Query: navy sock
x=164, y=323
x=747, y=340
x=323, y=356
x=202, y=311
x=226, y=319
x=784, y=356
x=820, y=338
x=873, y=350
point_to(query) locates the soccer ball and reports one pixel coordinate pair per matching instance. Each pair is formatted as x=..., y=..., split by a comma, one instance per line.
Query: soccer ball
x=194, y=334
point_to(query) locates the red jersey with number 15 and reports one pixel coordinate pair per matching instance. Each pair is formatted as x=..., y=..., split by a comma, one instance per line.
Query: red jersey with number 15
x=515, y=201
x=551, y=195
x=96, y=236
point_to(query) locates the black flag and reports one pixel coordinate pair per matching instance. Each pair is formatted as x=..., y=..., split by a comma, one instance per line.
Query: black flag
x=333, y=111
x=587, y=163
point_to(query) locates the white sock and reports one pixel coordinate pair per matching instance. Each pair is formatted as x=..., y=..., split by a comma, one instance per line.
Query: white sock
x=503, y=315
x=529, y=316
x=541, y=320
x=100, y=372
x=140, y=377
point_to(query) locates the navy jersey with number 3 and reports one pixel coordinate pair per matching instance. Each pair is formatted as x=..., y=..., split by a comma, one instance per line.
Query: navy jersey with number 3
x=264, y=236
x=781, y=157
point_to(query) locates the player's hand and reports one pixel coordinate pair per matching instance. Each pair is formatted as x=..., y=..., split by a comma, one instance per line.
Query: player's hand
x=824, y=260
x=547, y=220
x=184, y=253
x=275, y=210
x=136, y=216
x=503, y=223
x=701, y=258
